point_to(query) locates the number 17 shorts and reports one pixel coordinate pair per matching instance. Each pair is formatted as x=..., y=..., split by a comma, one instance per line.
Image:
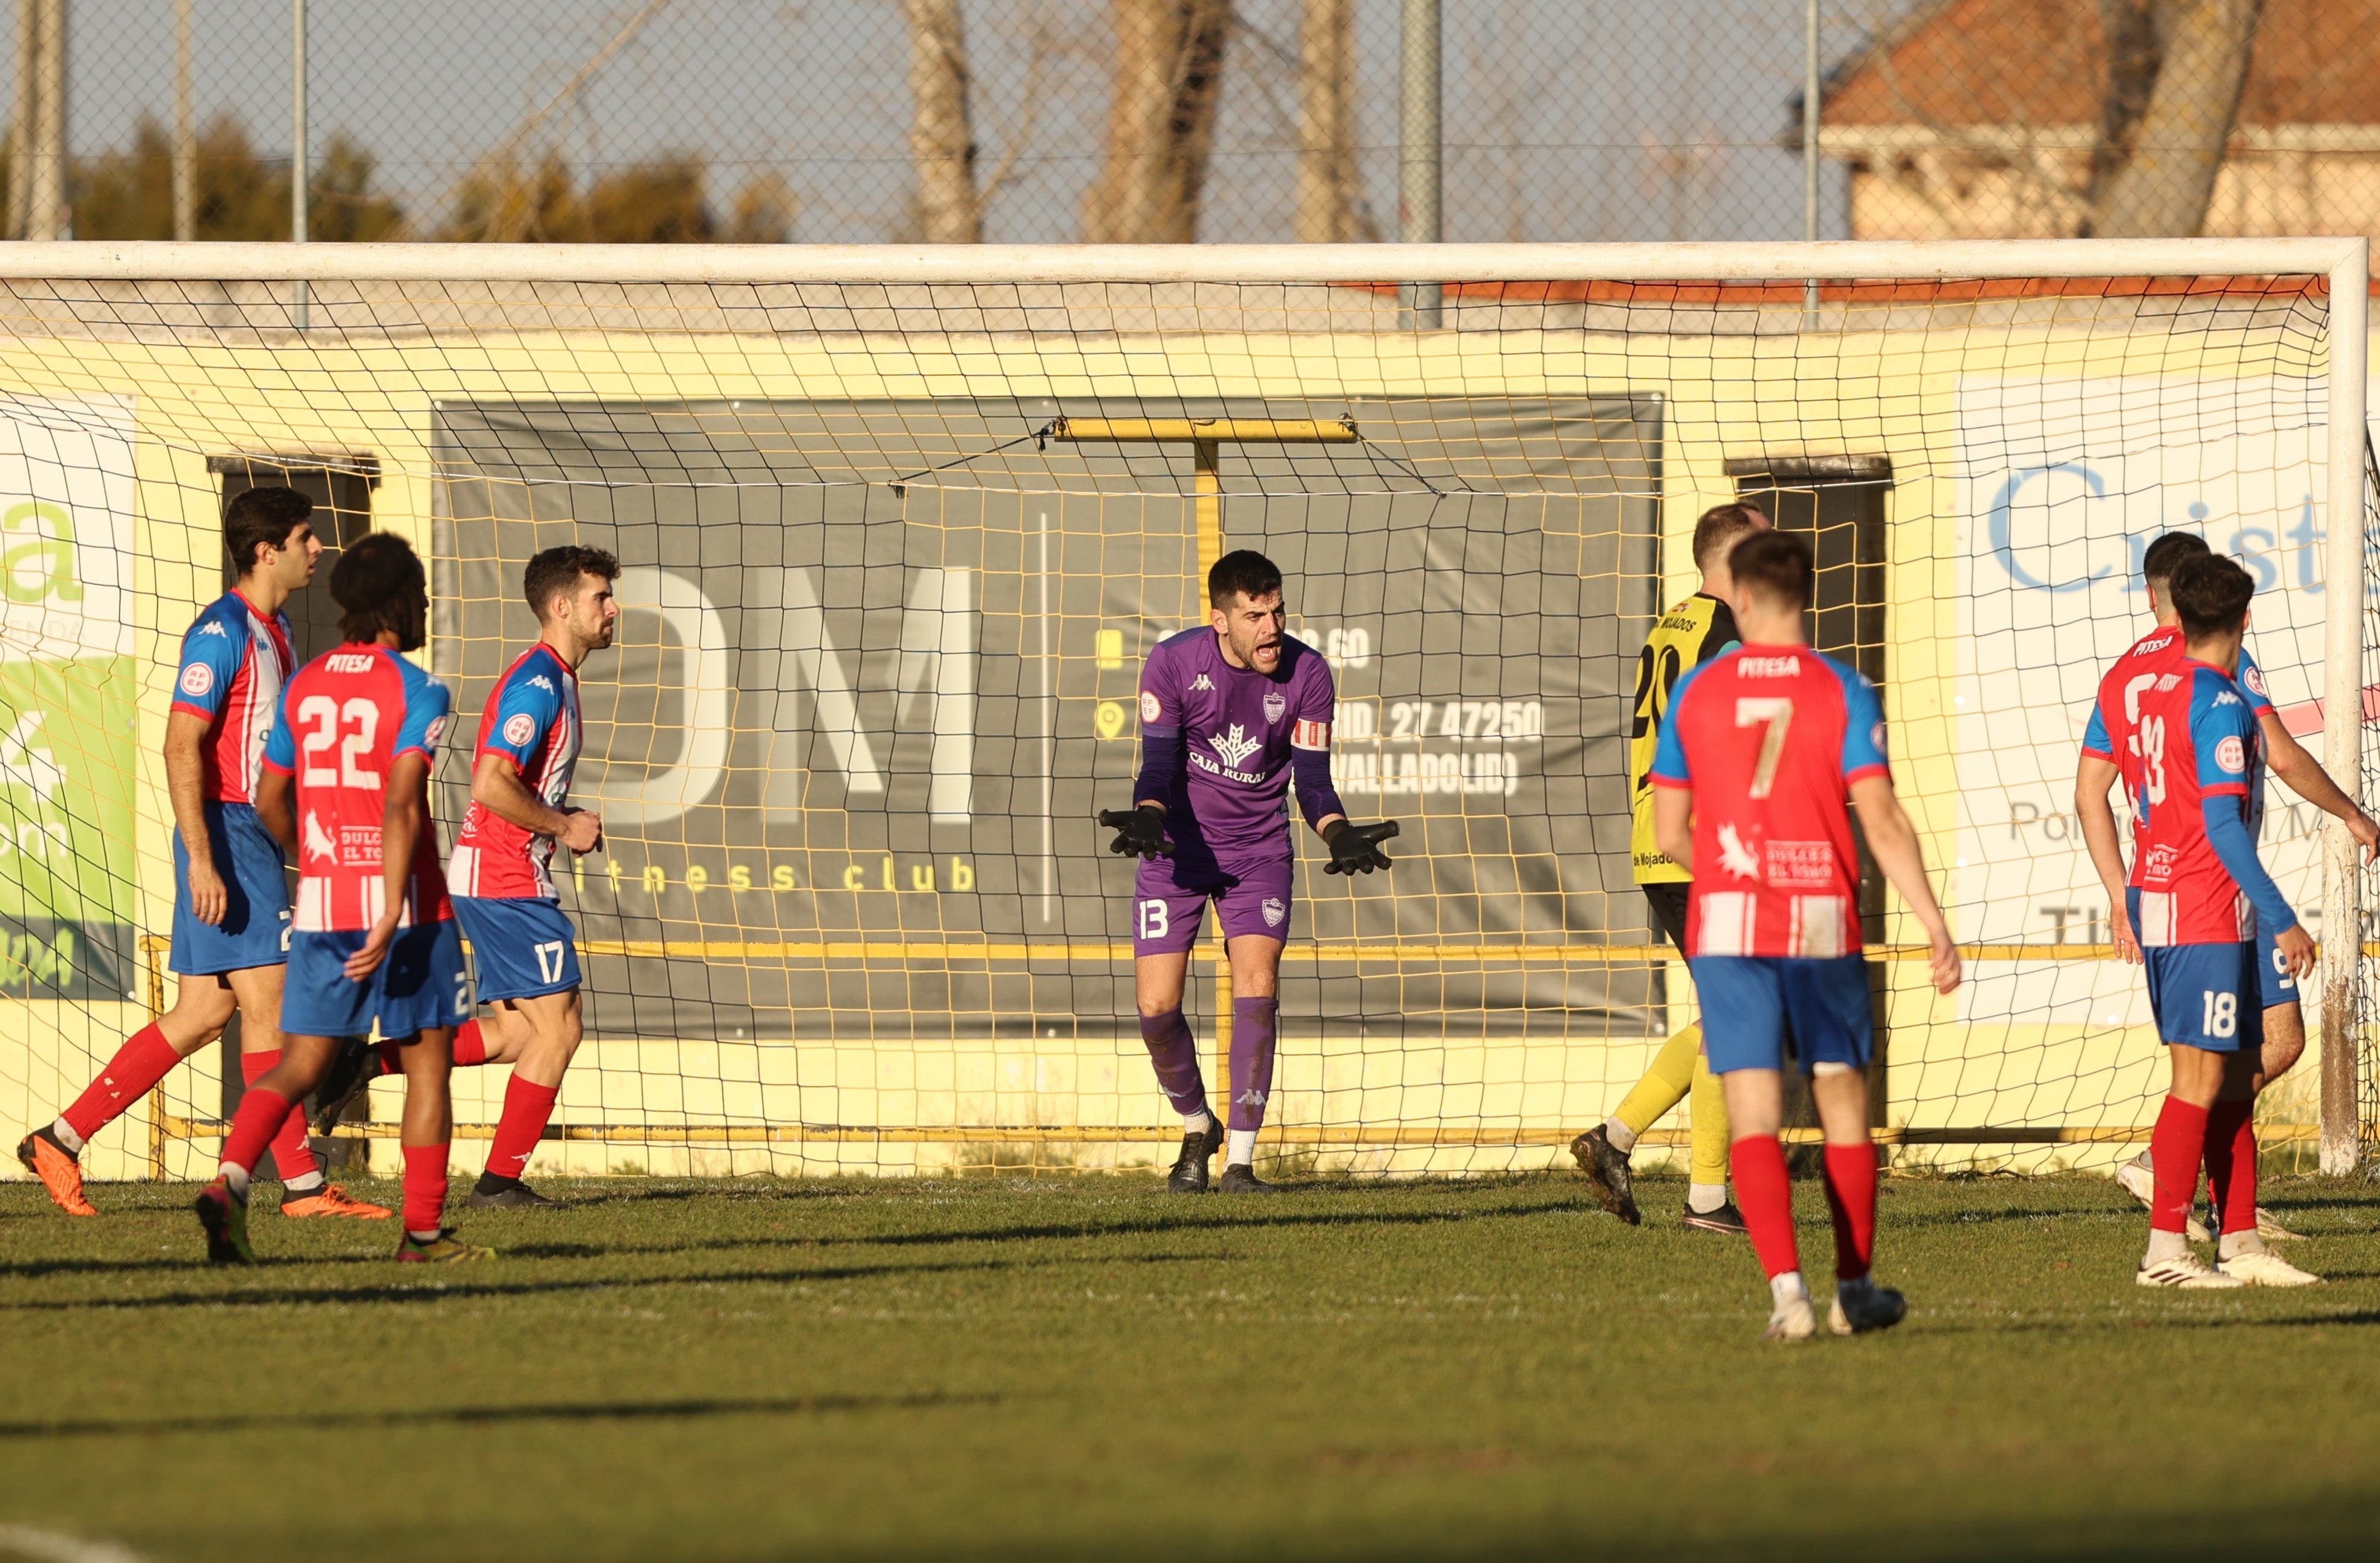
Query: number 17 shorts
x=1250, y=898
x=524, y=946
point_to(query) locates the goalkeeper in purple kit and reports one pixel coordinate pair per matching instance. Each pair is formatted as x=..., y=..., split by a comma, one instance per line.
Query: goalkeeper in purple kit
x=1230, y=714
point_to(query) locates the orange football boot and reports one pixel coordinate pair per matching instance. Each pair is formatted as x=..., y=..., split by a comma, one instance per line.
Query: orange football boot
x=333, y=1200
x=59, y=1174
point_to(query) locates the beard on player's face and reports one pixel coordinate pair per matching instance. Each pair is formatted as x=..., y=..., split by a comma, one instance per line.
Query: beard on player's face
x=1253, y=630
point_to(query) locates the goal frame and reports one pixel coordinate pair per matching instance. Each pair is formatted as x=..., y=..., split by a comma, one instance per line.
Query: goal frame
x=2343, y=262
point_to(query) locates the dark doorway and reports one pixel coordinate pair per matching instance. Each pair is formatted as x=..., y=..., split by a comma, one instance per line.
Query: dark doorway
x=1839, y=504
x=341, y=488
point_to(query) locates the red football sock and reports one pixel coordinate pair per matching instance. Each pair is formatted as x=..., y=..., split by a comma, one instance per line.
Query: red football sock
x=261, y=1113
x=145, y=1059
x=1850, y=1195
x=1764, y=1192
x=291, y=1155
x=2178, y=1145
x=471, y=1047
x=2231, y=1164
x=528, y=1108
x=392, y=1057
x=425, y=1188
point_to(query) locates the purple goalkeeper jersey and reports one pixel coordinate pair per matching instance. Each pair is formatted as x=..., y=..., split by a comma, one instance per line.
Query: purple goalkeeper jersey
x=1234, y=730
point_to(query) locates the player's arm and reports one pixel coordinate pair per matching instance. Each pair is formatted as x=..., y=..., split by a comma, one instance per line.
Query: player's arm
x=1892, y=841
x=2221, y=731
x=186, y=782
x=1673, y=822
x=496, y=786
x=401, y=823
x=276, y=803
x=2093, y=776
x=2294, y=764
x=1355, y=849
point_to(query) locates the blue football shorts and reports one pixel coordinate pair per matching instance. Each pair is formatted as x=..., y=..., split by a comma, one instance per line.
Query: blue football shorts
x=1755, y=1007
x=2207, y=996
x=422, y=983
x=525, y=948
x=255, y=929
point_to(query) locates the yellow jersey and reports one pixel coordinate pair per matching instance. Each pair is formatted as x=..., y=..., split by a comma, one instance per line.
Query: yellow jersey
x=1689, y=635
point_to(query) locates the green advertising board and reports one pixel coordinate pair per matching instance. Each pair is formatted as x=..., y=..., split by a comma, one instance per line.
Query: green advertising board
x=69, y=689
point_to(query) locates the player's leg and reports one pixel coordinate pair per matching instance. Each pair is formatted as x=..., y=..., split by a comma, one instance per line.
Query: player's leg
x=305, y=1191
x=1255, y=1016
x=1164, y=925
x=1743, y=1007
x=2232, y=1144
x=1833, y=1022
x=527, y=956
x=319, y=1005
x=2285, y=1039
x=426, y=1134
x=202, y=1007
x=1708, y=1209
x=352, y=1075
x=1255, y=911
x=1602, y=1152
x=2194, y=994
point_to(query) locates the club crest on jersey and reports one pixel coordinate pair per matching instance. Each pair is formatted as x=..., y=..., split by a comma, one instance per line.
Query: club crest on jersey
x=2231, y=755
x=1734, y=856
x=1235, y=745
x=1276, y=706
x=1149, y=708
x=198, y=678
x=520, y=728
x=1275, y=914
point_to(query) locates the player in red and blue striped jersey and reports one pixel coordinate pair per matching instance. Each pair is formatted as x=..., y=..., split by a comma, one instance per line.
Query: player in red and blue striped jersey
x=346, y=788
x=231, y=901
x=502, y=870
x=2111, y=752
x=1759, y=749
x=2194, y=761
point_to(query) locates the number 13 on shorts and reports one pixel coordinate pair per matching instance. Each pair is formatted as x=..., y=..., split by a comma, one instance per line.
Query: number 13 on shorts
x=1155, y=921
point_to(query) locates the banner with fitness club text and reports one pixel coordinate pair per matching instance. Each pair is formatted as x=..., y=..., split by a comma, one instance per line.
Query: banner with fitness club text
x=876, y=675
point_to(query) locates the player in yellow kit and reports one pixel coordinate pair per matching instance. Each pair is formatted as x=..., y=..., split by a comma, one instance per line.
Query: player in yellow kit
x=1688, y=634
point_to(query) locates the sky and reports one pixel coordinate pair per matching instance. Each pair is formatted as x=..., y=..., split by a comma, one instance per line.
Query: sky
x=1632, y=119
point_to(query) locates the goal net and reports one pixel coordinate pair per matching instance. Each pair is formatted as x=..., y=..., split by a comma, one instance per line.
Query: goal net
x=898, y=528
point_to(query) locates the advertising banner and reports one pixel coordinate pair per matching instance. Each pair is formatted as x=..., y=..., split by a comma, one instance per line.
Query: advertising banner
x=876, y=670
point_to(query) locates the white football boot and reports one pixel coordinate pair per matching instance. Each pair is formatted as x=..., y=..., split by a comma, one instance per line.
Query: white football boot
x=2266, y=1269
x=2188, y=1271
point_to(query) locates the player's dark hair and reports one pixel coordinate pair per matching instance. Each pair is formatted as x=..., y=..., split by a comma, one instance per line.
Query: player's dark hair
x=2210, y=594
x=379, y=586
x=1244, y=572
x=2161, y=558
x=259, y=518
x=1773, y=566
x=558, y=569
x=1721, y=527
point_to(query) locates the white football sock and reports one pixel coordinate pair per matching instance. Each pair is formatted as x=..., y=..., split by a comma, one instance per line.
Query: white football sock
x=1704, y=1199
x=67, y=1136
x=420, y=1237
x=1197, y=1123
x=2233, y=1244
x=236, y=1177
x=311, y=1183
x=1243, y=1152
x=1622, y=1138
x=1785, y=1288
x=2165, y=1245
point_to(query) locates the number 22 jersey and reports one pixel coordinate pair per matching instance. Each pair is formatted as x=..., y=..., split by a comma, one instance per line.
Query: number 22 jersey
x=1771, y=739
x=345, y=718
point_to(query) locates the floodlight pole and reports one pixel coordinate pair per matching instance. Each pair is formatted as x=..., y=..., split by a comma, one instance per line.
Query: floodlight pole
x=1205, y=438
x=1421, y=156
x=300, y=161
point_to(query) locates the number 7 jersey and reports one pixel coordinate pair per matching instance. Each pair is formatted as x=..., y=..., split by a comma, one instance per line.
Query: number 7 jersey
x=1770, y=738
x=345, y=718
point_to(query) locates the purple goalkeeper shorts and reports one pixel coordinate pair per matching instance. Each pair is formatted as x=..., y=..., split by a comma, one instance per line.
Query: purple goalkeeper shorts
x=1250, y=898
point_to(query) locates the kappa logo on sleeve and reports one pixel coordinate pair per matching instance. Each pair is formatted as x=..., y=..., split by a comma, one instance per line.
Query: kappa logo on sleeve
x=520, y=728
x=196, y=679
x=541, y=682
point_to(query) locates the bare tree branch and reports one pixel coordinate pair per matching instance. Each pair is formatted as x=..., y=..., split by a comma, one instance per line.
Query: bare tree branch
x=942, y=130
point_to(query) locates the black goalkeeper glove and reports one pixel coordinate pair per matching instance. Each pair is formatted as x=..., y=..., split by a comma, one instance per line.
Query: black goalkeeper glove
x=1140, y=831
x=1356, y=848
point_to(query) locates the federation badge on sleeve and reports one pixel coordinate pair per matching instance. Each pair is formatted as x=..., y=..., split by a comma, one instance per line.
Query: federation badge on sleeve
x=1150, y=709
x=2231, y=755
x=196, y=679
x=520, y=728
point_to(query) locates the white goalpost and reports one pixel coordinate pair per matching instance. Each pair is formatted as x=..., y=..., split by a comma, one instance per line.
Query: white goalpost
x=899, y=523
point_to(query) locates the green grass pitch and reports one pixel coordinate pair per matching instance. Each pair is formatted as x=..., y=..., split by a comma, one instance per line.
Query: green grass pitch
x=1000, y=1367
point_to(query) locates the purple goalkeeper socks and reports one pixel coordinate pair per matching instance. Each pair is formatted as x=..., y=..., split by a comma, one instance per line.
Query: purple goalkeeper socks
x=1252, y=1047
x=1175, y=1053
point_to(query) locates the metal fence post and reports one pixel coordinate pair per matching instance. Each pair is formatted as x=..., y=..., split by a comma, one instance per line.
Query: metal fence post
x=1421, y=153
